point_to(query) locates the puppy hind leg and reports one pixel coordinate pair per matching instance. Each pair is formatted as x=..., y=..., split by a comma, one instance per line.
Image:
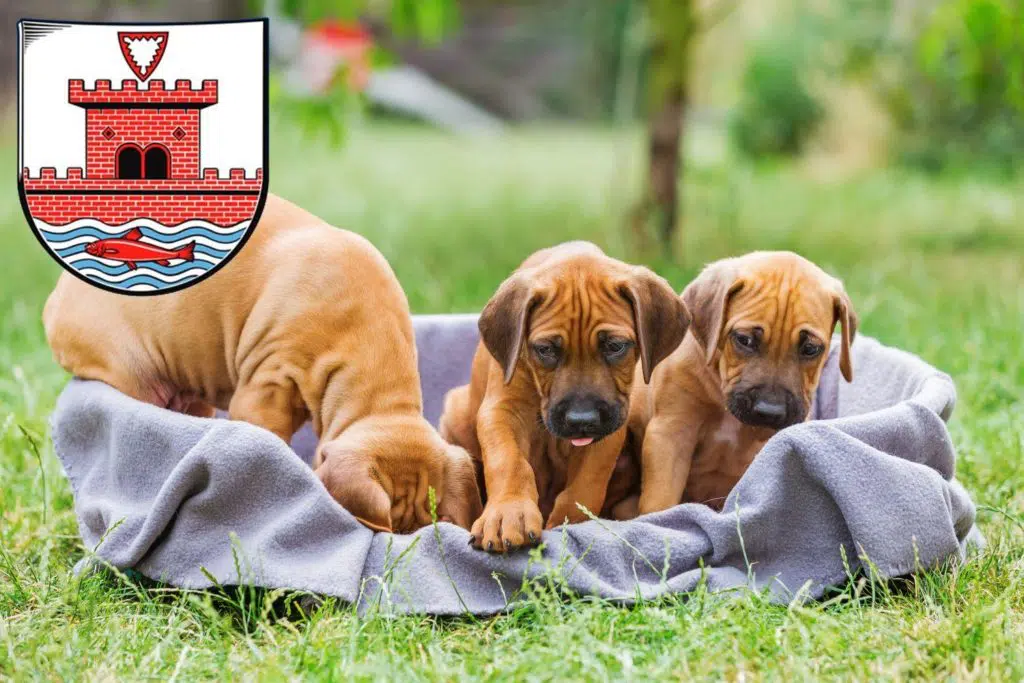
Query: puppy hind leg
x=273, y=406
x=457, y=425
x=198, y=408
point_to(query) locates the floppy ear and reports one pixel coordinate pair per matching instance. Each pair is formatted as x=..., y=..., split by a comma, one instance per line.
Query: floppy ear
x=504, y=320
x=706, y=299
x=659, y=316
x=845, y=316
x=348, y=479
x=460, y=503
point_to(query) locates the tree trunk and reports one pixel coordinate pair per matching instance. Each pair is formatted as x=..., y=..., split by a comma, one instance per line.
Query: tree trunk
x=673, y=26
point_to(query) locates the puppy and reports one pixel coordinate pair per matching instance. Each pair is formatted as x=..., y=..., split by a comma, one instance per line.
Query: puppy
x=546, y=407
x=761, y=330
x=306, y=322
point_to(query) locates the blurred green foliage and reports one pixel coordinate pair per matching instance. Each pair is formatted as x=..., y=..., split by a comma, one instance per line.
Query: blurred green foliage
x=327, y=115
x=958, y=96
x=319, y=116
x=428, y=20
x=618, y=57
x=777, y=112
x=949, y=74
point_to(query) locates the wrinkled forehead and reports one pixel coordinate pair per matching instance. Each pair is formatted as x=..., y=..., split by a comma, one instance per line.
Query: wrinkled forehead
x=787, y=297
x=579, y=302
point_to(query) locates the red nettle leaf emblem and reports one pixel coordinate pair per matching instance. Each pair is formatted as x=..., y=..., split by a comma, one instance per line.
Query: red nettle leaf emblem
x=142, y=50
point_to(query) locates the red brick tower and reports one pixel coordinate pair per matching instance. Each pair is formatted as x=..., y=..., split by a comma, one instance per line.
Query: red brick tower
x=132, y=133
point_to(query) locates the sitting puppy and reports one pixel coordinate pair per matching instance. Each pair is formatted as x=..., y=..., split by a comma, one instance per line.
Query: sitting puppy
x=306, y=322
x=574, y=322
x=760, y=334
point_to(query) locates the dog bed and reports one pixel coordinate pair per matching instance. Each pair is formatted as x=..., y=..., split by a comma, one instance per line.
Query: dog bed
x=867, y=486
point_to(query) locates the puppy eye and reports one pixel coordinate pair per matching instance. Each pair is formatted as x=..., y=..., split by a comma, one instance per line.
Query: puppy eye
x=744, y=342
x=546, y=353
x=614, y=349
x=811, y=349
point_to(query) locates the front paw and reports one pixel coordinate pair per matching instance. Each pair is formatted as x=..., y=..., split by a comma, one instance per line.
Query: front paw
x=507, y=525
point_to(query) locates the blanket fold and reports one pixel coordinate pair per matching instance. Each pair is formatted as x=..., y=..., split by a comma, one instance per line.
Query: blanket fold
x=869, y=482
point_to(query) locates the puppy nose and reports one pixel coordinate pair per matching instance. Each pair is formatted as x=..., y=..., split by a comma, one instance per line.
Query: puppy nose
x=772, y=411
x=582, y=419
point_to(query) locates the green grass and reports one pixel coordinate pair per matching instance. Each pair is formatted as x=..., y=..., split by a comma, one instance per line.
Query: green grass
x=933, y=266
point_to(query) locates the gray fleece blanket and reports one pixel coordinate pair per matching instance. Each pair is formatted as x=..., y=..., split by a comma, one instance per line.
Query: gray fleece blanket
x=867, y=485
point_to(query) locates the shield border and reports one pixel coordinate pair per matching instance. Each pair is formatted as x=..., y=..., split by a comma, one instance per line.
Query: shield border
x=264, y=189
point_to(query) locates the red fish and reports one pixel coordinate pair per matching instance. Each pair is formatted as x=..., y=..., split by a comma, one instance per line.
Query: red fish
x=131, y=250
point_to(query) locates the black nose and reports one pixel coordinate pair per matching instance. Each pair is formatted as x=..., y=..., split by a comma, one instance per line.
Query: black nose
x=767, y=406
x=582, y=420
x=582, y=416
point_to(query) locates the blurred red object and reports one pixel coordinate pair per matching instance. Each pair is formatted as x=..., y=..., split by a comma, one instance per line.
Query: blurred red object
x=330, y=45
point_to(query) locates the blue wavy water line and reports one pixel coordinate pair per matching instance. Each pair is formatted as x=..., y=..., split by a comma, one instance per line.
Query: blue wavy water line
x=210, y=251
x=144, y=279
x=163, y=270
x=199, y=249
x=90, y=231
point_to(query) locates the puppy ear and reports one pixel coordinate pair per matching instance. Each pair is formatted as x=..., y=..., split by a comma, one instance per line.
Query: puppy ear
x=706, y=299
x=348, y=479
x=845, y=316
x=660, y=317
x=460, y=503
x=504, y=321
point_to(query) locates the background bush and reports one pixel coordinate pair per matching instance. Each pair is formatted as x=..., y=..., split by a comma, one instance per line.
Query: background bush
x=958, y=94
x=777, y=112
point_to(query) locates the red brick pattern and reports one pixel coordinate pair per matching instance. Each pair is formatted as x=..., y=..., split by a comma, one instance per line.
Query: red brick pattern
x=141, y=127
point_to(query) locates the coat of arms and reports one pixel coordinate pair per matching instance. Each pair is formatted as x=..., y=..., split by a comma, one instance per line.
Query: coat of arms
x=142, y=149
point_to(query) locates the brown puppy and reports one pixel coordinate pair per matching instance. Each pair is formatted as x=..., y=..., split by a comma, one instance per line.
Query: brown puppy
x=574, y=322
x=761, y=330
x=306, y=322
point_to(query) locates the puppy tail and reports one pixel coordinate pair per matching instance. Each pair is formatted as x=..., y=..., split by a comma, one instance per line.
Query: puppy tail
x=187, y=252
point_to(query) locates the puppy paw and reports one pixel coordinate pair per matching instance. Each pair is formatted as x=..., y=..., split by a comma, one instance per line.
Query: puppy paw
x=507, y=525
x=565, y=511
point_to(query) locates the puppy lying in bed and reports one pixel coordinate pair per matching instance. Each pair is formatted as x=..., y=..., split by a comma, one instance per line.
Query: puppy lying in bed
x=761, y=329
x=306, y=322
x=546, y=406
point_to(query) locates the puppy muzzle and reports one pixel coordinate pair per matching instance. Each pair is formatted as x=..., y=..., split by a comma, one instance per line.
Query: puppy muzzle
x=584, y=419
x=766, y=406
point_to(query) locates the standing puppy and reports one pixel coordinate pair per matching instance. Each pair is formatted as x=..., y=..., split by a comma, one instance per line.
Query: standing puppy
x=306, y=322
x=546, y=406
x=761, y=330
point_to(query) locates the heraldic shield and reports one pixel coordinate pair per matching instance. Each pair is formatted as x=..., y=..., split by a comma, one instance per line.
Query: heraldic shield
x=142, y=148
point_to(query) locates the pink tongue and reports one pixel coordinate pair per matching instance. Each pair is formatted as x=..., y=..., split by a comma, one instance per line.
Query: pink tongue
x=583, y=442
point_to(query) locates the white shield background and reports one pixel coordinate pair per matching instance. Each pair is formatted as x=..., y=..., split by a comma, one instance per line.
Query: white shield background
x=52, y=133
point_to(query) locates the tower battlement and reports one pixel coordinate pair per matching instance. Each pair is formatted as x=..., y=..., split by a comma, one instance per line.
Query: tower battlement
x=130, y=95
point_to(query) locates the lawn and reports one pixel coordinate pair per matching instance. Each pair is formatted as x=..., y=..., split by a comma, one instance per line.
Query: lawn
x=934, y=265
